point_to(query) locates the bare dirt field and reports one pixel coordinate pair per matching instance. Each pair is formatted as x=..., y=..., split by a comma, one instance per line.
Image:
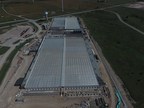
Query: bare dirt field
x=19, y=64
x=38, y=8
x=138, y=5
x=50, y=102
x=18, y=32
x=18, y=69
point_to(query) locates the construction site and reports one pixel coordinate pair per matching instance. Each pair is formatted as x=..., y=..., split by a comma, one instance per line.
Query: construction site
x=71, y=54
x=58, y=67
x=64, y=64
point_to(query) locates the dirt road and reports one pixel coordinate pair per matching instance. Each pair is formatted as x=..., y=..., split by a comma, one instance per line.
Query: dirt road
x=8, y=90
x=103, y=72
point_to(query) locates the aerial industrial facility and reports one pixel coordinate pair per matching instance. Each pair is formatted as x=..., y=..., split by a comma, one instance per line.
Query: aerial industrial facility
x=63, y=65
x=67, y=24
x=70, y=54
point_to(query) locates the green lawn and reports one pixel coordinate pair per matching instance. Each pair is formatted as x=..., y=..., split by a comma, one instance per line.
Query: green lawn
x=123, y=48
x=4, y=30
x=3, y=49
x=8, y=62
x=132, y=16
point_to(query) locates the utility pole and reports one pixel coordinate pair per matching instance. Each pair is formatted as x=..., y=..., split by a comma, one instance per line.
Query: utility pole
x=62, y=6
x=46, y=14
x=33, y=1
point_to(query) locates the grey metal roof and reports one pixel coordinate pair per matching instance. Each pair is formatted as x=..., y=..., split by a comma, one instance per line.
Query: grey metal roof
x=46, y=71
x=71, y=23
x=61, y=62
x=78, y=67
x=58, y=22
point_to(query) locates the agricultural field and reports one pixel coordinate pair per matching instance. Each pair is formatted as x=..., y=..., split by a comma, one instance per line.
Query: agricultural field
x=37, y=9
x=34, y=10
x=132, y=16
x=123, y=48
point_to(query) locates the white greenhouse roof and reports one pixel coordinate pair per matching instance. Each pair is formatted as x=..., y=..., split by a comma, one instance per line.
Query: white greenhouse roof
x=61, y=62
x=67, y=23
x=71, y=23
x=59, y=22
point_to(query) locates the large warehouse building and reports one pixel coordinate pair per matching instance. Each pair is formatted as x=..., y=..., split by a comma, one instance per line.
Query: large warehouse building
x=67, y=24
x=63, y=66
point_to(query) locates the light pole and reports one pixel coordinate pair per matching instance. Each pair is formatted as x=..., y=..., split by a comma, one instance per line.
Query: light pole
x=46, y=14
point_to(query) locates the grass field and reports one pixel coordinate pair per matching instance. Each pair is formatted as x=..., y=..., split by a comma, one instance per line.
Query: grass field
x=132, y=16
x=8, y=62
x=123, y=48
x=3, y=49
x=36, y=10
x=4, y=17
